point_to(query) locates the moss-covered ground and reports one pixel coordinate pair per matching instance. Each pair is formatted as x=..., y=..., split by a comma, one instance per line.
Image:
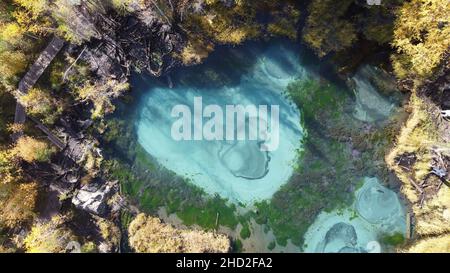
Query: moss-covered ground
x=152, y=186
x=336, y=155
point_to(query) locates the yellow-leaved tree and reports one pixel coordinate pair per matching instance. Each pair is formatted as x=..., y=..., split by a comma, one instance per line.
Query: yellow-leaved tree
x=11, y=33
x=17, y=203
x=50, y=237
x=40, y=102
x=12, y=64
x=101, y=95
x=225, y=24
x=35, y=6
x=9, y=171
x=31, y=16
x=73, y=24
x=421, y=37
x=33, y=150
x=326, y=31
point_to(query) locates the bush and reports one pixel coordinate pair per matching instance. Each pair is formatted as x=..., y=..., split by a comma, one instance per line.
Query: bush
x=51, y=237
x=39, y=102
x=148, y=234
x=393, y=239
x=245, y=231
x=31, y=150
x=421, y=37
x=17, y=203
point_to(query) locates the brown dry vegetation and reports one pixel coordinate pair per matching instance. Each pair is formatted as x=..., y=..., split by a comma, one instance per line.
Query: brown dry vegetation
x=148, y=234
x=439, y=244
x=412, y=159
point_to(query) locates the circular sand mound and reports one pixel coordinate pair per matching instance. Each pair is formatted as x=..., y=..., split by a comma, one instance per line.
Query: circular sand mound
x=377, y=204
x=375, y=212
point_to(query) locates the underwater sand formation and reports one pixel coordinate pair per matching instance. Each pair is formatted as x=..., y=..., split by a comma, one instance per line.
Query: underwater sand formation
x=376, y=212
x=370, y=104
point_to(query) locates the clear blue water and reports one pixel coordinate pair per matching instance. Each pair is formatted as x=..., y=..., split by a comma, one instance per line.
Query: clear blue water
x=237, y=169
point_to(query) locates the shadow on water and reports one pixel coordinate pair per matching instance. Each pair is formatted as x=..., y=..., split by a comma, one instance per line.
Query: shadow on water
x=227, y=64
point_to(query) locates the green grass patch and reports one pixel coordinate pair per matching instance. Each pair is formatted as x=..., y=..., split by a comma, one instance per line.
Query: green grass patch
x=191, y=204
x=323, y=175
x=317, y=100
x=236, y=246
x=245, y=231
x=392, y=239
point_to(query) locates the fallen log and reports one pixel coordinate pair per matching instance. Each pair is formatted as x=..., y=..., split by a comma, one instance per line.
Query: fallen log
x=55, y=140
x=418, y=188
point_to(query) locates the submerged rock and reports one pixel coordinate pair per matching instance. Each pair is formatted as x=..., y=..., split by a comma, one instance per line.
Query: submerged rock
x=341, y=238
x=245, y=160
x=93, y=197
x=377, y=204
x=371, y=104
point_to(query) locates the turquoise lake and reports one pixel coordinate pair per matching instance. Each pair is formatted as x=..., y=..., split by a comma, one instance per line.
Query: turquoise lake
x=242, y=173
x=237, y=169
